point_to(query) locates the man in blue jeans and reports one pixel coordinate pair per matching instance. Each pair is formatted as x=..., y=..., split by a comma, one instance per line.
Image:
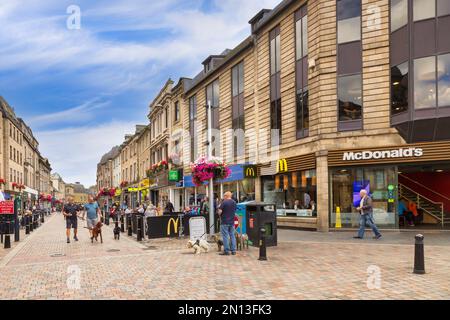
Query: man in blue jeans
x=227, y=211
x=366, y=216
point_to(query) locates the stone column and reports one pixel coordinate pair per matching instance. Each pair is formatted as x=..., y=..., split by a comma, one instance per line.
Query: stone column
x=323, y=207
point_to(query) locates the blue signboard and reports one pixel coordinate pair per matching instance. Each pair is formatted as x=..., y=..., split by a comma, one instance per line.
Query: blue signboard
x=357, y=187
x=237, y=174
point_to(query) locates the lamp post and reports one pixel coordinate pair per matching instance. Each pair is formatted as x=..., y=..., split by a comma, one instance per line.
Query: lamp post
x=211, y=181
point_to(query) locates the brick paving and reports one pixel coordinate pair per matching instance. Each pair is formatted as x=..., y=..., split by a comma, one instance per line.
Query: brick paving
x=303, y=266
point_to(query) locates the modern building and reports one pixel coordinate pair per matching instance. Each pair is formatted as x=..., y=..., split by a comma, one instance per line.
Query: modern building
x=322, y=99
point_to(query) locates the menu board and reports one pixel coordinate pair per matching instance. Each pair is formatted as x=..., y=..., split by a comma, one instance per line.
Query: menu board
x=6, y=207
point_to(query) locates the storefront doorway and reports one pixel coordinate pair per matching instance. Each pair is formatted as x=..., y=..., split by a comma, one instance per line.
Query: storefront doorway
x=424, y=196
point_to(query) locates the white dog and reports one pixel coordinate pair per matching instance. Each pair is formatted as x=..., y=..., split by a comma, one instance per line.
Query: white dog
x=198, y=246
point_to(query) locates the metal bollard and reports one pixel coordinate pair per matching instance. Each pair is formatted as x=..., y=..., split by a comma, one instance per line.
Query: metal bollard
x=27, y=225
x=139, y=230
x=419, y=255
x=7, y=236
x=31, y=223
x=122, y=225
x=42, y=217
x=130, y=230
x=262, y=246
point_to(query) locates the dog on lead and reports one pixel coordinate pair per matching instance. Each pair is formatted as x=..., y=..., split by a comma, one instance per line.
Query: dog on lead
x=97, y=232
x=198, y=246
x=117, y=232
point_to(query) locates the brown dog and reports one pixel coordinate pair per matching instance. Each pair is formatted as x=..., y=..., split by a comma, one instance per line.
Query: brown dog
x=97, y=231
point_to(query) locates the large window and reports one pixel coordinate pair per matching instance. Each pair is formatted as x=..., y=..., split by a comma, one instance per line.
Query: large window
x=275, y=86
x=424, y=9
x=425, y=83
x=444, y=80
x=399, y=88
x=399, y=14
x=192, y=126
x=212, y=96
x=350, y=98
x=177, y=111
x=293, y=193
x=275, y=122
x=275, y=58
x=349, y=20
x=301, y=39
x=443, y=7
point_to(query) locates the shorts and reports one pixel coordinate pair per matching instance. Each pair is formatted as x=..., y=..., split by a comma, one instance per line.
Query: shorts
x=72, y=223
x=91, y=223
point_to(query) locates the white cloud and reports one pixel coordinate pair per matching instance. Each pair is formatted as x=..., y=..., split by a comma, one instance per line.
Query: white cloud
x=74, y=152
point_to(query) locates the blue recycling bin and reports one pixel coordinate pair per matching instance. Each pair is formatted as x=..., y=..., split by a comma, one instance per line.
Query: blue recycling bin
x=241, y=212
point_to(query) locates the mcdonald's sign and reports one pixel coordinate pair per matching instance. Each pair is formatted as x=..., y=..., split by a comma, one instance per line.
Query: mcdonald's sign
x=282, y=166
x=173, y=222
x=250, y=171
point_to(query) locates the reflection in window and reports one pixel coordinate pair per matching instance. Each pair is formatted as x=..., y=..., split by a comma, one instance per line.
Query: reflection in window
x=444, y=80
x=399, y=88
x=399, y=14
x=275, y=59
x=349, y=20
x=301, y=33
x=302, y=113
x=443, y=7
x=350, y=98
x=424, y=9
x=425, y=83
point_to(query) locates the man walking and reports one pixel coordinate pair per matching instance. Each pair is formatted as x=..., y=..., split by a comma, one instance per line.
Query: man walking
x=93, y=214
x=70, y=213
x=366, y=216
x=227, y=211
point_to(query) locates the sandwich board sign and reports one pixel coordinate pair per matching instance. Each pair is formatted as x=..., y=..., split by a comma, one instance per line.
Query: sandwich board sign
x=197, y=228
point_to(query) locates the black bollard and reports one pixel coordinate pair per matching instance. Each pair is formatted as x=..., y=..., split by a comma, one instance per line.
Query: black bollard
x=27, y=225
x=122, y=225
x=139, y=233
x=419, y=255
x=7, y=241
x=130, y=230
x=42, y=217
x=31, y=224
x=262, y=246
x=16, y=229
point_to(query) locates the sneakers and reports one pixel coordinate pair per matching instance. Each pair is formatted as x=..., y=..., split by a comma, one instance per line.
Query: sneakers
x=75, y=238
x=234, y=253
x=68, y=240
x=377, y=237
x=224, y=254
x=357, y=237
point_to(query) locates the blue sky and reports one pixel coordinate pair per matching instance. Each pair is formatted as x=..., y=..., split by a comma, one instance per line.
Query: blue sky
x=82, y=90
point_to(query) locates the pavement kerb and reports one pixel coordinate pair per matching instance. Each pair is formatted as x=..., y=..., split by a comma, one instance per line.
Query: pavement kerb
x=6, y=259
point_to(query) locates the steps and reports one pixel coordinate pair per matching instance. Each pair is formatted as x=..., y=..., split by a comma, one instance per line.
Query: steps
x=434, y=209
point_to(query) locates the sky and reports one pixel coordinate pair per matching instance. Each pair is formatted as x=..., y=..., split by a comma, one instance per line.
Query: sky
x=84, y=81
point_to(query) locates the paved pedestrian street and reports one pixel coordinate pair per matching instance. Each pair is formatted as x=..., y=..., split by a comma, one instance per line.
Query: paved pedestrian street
x=305, y=265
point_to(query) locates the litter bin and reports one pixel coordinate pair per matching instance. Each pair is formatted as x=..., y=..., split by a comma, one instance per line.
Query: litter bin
x=262, y=215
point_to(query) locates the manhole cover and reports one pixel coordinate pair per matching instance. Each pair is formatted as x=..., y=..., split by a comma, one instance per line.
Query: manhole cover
x=56, y=255
x=150, y=248
x=113, y=250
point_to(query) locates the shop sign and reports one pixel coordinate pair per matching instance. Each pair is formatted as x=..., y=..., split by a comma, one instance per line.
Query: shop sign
x=250, y=171
x=6, y=207
x=388, y=154
x=133, y=189
x=174, y=175
x=173, y=222
x=282, y=166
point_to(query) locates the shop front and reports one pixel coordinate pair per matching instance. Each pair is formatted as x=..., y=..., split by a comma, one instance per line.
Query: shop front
x=397, y=179
x=160, y=190
x=291, y=184
x=177, y=189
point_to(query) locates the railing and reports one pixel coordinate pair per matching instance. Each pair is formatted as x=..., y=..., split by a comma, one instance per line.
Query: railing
x=420, y=198
x=425, y=187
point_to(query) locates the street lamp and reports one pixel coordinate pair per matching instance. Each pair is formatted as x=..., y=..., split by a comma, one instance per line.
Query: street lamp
x=211, y=181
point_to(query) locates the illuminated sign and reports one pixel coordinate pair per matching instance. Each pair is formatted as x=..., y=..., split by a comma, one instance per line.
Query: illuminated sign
x=174, y=175
x=250, y=171
x=282, y=166
x=370, y=155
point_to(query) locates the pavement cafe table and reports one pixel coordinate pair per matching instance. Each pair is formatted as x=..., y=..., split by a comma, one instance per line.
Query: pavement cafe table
x=168, y=226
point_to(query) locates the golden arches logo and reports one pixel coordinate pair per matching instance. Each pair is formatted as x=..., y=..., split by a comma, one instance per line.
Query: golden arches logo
x=282, y=166
x=173, y=222
x=250, y=172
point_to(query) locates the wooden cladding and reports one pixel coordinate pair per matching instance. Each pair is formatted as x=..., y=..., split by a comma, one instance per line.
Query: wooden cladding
x=421, y=152
x=299, y=163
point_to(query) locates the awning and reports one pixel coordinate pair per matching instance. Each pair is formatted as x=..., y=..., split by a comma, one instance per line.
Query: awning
x=31, y=191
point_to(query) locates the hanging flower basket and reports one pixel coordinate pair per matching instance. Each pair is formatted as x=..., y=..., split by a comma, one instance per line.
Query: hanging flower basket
x=2, y=181
x=157, y=168
x=123, y=184
x=203, y=170
x=107, y=192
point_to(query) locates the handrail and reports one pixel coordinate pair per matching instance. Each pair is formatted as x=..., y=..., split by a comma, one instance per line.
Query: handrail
x=433, y=202
x=437, y=193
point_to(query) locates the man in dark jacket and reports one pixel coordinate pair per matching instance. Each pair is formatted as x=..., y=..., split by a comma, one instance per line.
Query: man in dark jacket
x=366, y=216
x=227, y=211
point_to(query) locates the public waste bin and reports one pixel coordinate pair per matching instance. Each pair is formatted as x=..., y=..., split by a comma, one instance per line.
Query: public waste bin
x=262, y=215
